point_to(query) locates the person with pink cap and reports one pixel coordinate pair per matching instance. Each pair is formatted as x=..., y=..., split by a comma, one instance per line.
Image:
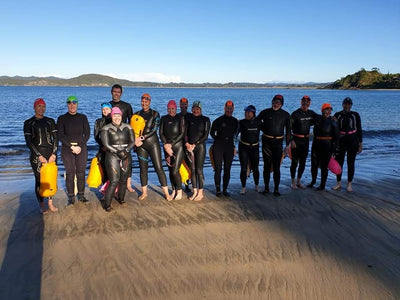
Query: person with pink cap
x=118, y=139
x=172, y=130
x=41, y=138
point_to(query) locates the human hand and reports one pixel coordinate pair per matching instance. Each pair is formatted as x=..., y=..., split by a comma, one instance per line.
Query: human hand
x=138, y=142
x=360, y=148
x=42, y=159
x=52, y=158
x=293, y=144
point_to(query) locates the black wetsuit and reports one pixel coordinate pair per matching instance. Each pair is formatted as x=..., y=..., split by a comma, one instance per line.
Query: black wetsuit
x=198, y=128
x=274, y=123
x=186, y=158
x=172, y=131
x=224, y=131
x=325, y=141
x=301, y=121
x=101, y=154
x=249, y=149
x=151, y=146
x=41, y=138
x=349, y=124
x=125, y=108
x=74, y=130
x=119, y=141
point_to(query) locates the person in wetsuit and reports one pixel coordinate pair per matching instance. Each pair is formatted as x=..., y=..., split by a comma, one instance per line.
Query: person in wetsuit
x=100, y=123
x=275, y=125
x=197, y=130
x=350, y=140
x=183, y=105
x=301, y=121
x=127, y=112
x=172, y=131
x=118, y=140
x=148, y=144
x=73, y=133
x=325, y=141
x=41, y=138
x=224, y=131
x=249, y=149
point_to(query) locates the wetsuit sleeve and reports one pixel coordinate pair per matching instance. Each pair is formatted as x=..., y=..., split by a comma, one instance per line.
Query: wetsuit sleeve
x=161, y=131
x=214, y=129
x=61, y=132
x=336, y=135
x=97, y=128
x=359, y=128
x=131, y=139
x=28, y=137
x=54, y=134
x=288, y=129
x=155, y=124
x=207, y=126
x=236, y=132
x=105, y=140
x=86, y=130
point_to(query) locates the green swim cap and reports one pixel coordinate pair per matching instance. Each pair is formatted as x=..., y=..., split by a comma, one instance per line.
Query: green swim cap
x=72, y=98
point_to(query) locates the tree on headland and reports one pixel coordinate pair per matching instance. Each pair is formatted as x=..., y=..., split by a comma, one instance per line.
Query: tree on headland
x=363, y=79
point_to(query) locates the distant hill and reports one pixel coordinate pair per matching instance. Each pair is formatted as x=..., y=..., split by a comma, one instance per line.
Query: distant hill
x=102, y=80
x=367, y=80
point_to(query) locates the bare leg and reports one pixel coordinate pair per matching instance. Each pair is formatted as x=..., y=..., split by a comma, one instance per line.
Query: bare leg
x=51, y=205
x=199, y=195
x=338, y=186
x=194, y=194
x=166, y=193
x=178, y=195
x=129, y=185
x=294, y=184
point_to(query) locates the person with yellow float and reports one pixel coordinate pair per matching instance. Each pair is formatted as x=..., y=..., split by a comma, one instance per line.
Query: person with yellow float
x=172, y=131
x=118, y=140
x=197, y=130
x=42, y=140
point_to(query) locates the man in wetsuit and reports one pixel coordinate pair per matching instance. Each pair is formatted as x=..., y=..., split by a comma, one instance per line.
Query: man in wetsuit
x=127, y=112
x=224, y=131
x=41, y=137
x=301, y=121
x=275, y=125
x=148, y=144
x=249, y=148
x=183, y=105
x=74, y=132
x=350, y=140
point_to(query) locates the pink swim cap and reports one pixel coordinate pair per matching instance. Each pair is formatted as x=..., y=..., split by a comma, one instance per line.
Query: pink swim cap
x=115, y=110
x=171, y=103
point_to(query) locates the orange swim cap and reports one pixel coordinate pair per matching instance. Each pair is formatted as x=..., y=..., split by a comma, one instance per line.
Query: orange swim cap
x=146, y=96
x=229, y=103
x=325, y=106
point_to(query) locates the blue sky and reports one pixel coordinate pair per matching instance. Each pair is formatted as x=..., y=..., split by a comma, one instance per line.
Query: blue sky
x=200, y=41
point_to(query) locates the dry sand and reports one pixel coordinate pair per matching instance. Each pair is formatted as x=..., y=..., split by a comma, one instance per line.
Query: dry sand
x=302, y=245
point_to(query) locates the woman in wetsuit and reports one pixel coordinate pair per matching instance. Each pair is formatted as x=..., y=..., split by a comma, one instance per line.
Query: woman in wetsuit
x=249, y=148
x=148, y=144
x=301, y=121
x=325, y=140
x=350, y=140
x=275, y=125
x=118, y=139
x=100, y=123
x=172, y=130
x=41, y=137
x=197, y=130
x=224, y=131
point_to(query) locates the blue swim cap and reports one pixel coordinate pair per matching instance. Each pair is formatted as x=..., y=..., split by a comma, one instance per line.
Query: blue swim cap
x=106, y=104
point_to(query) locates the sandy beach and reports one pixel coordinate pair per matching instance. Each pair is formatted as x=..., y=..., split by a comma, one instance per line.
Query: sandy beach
x=302, y=245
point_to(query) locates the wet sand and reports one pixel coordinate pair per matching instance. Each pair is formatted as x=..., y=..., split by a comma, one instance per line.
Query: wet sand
x=302, y=245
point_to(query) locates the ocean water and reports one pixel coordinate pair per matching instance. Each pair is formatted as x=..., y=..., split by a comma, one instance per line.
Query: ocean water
x=379, y=111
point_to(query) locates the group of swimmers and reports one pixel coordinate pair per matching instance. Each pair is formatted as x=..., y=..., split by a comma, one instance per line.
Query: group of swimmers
x=183, y=136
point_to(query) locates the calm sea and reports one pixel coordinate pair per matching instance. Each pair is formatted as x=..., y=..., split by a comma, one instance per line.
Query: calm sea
x=379, y=110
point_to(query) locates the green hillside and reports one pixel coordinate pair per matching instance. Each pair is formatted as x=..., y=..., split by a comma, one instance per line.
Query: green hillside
x=367, y=80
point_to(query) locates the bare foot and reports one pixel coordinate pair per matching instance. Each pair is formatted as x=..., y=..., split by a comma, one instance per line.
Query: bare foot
x=142, y=196
x=243, y=191
x=129, y=185
x=337, y=187
x=293, y=185
x=300, y=185
x=51, y=206
x=349, y=188
x=199, y=195
x=191, y=198
x=178, y=195
x=173, y=194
